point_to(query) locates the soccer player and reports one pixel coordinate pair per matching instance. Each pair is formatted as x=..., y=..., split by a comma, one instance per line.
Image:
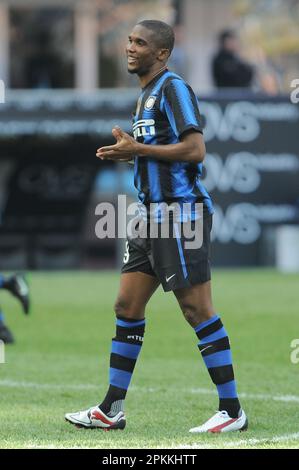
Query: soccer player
x=18, y=287
x=168, y=150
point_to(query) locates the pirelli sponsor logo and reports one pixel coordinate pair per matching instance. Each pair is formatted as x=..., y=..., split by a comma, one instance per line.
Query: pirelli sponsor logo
x=144, y=128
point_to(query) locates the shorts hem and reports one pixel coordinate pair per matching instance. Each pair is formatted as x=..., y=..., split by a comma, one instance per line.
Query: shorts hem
x=186, y=283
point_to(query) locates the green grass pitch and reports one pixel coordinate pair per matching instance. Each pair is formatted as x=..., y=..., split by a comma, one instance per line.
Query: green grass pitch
x=60, y=364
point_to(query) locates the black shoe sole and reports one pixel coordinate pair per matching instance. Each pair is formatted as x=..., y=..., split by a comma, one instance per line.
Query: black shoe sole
x=245, y=427
x=6, y=335
x=119, y=425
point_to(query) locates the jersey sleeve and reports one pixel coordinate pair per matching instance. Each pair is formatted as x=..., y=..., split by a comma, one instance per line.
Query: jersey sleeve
x=180, y=105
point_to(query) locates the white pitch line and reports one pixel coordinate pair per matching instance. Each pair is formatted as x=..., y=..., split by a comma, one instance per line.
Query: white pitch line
x=236, y=443
x=22, y=384
x=254, y=396
x=274, y=440
x=135, y=388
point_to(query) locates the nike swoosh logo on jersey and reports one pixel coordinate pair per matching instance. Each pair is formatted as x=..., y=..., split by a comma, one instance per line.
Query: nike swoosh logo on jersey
x=202, y=350
x=168, y=278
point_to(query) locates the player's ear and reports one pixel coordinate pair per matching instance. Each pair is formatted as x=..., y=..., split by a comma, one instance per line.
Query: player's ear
x=163, y=54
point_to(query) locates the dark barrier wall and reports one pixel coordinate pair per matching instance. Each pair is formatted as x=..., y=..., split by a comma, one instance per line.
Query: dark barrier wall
x=48, y=171
x=252, y=173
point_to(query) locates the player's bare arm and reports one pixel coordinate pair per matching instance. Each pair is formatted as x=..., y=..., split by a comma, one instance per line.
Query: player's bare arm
x=191, y=148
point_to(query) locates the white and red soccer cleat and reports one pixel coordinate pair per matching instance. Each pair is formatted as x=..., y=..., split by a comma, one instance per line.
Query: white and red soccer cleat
x=95, y=418
x=222, y=422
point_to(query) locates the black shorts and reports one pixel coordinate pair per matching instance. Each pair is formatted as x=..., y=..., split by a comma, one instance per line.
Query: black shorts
x=170, y=260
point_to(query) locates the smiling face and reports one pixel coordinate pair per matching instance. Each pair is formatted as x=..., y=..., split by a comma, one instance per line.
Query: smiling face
x=142, y=53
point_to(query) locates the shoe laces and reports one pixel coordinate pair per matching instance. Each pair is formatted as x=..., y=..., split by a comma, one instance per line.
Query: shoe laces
x=223, y=413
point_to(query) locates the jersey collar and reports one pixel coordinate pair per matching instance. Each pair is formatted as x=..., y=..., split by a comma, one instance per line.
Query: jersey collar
x=155, y=79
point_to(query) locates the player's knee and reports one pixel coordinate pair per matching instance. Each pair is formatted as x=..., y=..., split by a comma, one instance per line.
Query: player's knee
x=190, y=314
x=195, y=314
x=121, y=307
x=126, y=309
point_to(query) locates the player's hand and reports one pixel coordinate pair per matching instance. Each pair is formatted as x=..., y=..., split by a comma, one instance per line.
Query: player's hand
x=124, y=149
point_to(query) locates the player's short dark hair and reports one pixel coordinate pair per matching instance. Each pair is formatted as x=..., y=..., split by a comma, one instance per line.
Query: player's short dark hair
x=226, y=34
x=163, y=33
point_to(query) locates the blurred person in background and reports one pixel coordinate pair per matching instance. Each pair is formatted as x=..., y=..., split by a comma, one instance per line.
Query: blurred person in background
x=228, y=69
x=18, y=287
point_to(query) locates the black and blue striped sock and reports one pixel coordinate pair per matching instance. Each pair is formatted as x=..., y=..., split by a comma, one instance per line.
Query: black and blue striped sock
x=126, y=346
x=215, y=350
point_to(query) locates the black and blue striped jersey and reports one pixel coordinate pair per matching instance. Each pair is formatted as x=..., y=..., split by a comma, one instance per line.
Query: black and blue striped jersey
x=166, y=109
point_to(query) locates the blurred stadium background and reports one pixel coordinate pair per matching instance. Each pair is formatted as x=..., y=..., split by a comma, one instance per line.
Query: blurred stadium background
x=66, y=85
